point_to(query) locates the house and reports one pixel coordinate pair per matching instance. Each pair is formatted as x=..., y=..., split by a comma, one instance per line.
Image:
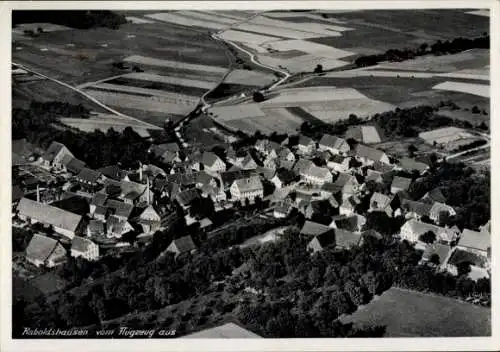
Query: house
x=113, y=172
x=439, y=208
x=339, y=163
x=267, y=147
x=61, y=221
x=248, y=163
x=247, y=188
x=480, y=267
x=442, y=252
x=186, y=197
x=413, y=229
x=410, y=165
x=368, y=155
x=270, y=163
x=330, y=189
x=348, y=184
x=149, y=219
x=43, y=250
x=119, y=209
x=317, y=175
x=128, y=191
x=306, y=145
x=301, y=166
x=283, y=178
x=88, y=178
x=181, y=246
x=333, y=144
x=383, y=203
x=84, y=248
x=373, y=176
x=282, y=210
x=212, y=163
x=365, y=134
x=166, y=152
x=285, y=155
x=315, y=207
x=75, y=166
x=400, y=184
x=203, y=178
x=475, y=242
x=321, y=241
x=96, y=228
x=353, y=223
x=434, y=195
x=225, y=331
x=413, y=209
x=116, y=227
x=228, y=178
x=348, y=206
x=345, y=239
x=311, y=228
x=57, y=156
x=98, y=199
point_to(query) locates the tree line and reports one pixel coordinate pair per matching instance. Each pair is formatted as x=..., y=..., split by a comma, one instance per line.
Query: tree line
x=438, y=48
x=80, y=19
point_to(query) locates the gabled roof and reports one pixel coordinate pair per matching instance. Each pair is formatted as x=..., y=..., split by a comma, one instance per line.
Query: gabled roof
x=410, y=164
x=419, y=228
x=184, y=244
x=346, y=239
x=17, y=193
x=350, y=223
x=365, y=134
x=325, y=239
x=204, y=178
x=48, y=214
x=286, y=176
x=230, y=176
x=75, y=165
x=95, y=226
x=439, y=207
x=333, y=142
x=88, y=175
x=76, y=204
x=460, y=256
x=369, y=153
x=475, y=240
x=41, y=247
x=338, y=159
x=312, y=228
x=113, y=171
x=304, y=140
x=373, y=175
x=302, y=165
x=209, y=159
x=316, y=171
x=126, y=187
x=402, y=183
x=119, y=208
x=160, y=149
x=331, y=187
x=249, y=184
x=380, y=201
x=54, y=149
x=343, y=179
x=116, y=224
x=99, y=199
x=434, y=195
x=186, y=197
x=81, y=244
x=66, y=159
x=419, y=208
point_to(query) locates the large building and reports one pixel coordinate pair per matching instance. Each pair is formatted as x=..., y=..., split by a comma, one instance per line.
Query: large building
x=45, y=251
x=413, y=229
x=247, y=188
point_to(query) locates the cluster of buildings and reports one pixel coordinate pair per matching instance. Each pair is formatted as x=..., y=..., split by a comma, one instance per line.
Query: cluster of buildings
x=326, y=179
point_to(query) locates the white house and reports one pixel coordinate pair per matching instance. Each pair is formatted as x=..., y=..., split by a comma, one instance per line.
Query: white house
x=338, y=163
x=475, y=242
x=306, y=145
x=247, y=188
x=368, y=155
x=57, y=156
x=212, y=163
x=438, y=208
x=413, y=229
x=84, y=248
x=317, y=175
x=333, y=144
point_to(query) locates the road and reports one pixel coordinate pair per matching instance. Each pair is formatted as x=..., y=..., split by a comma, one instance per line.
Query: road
x=81, y=92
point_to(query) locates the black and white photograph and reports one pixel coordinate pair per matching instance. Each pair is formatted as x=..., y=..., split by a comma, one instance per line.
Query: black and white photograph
x=246, y=173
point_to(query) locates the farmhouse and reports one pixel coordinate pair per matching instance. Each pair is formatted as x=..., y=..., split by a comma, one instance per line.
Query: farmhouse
x=339, y=163
x=364, y=134
x=311, y=228
x=247, y=188
x=43, y=250
x=353, y=223
x=444, y=136
x=181, y=246
x=413, y=229
x=301, y=166
x=413, y=209
x=369, y=156
x=283, y=178
x=348, y=184
x=84, y=248
x=212, y=163
x=383, y=203
x=475, y=242
x=116, y=227
x=400, y=184
x=321, y=241
x=113, y=172
x=57, y=156
x=186, y=197
x=149, y=219
x=348, y=206
x=306, y=145
x=62, y=222
x=410, y=165
x=333, y=144
x=75, y=166
x=317, y=175
x=88, y=178
x=438, y=209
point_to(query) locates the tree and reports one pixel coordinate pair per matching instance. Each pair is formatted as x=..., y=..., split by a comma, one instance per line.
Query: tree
x=318, y=68
x=434, y=259
x=463, y=268
x=475, y=110
x=258, y=97
x=412, y=149
x=428, y=237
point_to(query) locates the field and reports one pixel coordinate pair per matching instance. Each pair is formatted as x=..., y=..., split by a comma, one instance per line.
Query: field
x=481, y=90
x=414, y=314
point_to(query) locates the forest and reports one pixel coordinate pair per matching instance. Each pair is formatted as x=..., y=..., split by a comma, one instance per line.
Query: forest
x=80, y=19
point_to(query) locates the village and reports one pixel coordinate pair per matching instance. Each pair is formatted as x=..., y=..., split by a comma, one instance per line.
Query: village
x=334, y=183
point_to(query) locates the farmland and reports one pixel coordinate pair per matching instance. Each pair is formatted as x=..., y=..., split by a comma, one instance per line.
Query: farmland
x=414, y=314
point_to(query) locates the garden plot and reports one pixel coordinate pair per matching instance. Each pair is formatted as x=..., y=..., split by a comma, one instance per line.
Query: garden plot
x=146, y=92
x=308, y=47
x=252, y=78
x=470, y=88
x=177, y=18
x=145, y=60
x=303, y=96
x=245, y=37
x=149, y=77
x=138, y=20
x=236, y=112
